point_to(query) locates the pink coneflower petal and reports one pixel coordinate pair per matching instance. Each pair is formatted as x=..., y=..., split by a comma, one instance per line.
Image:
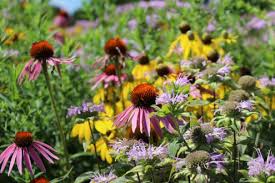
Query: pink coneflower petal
x=156, y=126
x=27, y=160
x=147, y=121
x=19, y=160
x=46, y=151
x=98, y=80
x=6, y=157
x=37, y=159
x=13, y=158
x=45, y=145
x=24, y=71
x=122, y=116
x=135, y=119
x=3, y=154
x=37, y=67
x=43, y=153
x=140, y=121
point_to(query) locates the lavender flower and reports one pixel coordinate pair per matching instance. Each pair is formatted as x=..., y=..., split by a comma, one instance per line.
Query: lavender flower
x=216, y=134
x=182, y=80
x=226, y=60
x=122, y=145
x=84, y=108
x=247, y=105
x=198, y=161
x=222, y=72
x=216, y=161
x=256, y=24
x=205, y=133
x=258, y=165
x=140, y=151
x=103, y=178
x=171, y=98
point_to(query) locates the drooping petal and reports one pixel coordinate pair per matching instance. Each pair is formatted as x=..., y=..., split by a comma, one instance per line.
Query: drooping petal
x=44, y=149
x=27, y=160
x=141, y=120
x=124, y=115
x=35, y=157
x=7, y=157
x=13, y=158
x=135, y=119
x=45, y=145
x=43, y=153
x=19, y=160
x=155, y=122
x=24, y=71
x=147, y=121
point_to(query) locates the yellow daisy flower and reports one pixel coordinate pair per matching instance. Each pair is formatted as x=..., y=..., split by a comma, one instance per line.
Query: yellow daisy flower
x=107, y=130
x=83, y=131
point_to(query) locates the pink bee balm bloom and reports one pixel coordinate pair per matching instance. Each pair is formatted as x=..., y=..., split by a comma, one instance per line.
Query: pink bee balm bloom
x=138, y=115
x=42, y=53
x=109, y=76
x=27, y=149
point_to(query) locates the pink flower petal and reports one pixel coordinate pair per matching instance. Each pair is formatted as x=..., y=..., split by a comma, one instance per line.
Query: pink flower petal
x=156, y=125
x=13, y=158
x=7, y=154
x=135, y=119
x=120, y=118
x=27, y=160
x=45, y=145
x=147, y=121
x=36, y=159
x=19, y=160
x=141, y=120
x=46, y=151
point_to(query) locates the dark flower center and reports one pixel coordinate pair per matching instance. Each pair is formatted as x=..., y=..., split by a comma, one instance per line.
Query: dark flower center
x=163, y=71
x=115, y=47
x=23, y=139
x=207, y=39
x=41, y=50
x=143, y=60
x=184, y=28
x=63, y=14
x=144, y=95
x=213, y=56
x=40, y=180
x=110, y=70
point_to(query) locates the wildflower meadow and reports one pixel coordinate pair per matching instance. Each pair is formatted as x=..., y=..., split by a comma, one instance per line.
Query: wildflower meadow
x=128, y=91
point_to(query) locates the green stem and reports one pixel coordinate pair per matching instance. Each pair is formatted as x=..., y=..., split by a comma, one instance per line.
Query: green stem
x=58, y=121
x=235, y=157
x=120, y=82
x=137, y=173
x=94, y=143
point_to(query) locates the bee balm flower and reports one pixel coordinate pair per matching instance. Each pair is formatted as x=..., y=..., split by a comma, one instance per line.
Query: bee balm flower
x=143, y=97
x=42, y=52
x=25, y=148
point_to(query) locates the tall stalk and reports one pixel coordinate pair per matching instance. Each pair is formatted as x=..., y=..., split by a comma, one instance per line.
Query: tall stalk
x=58, y=121
x=235, y=157
x=94, y=143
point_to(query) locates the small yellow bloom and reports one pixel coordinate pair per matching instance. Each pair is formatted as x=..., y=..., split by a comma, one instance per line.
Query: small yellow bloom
x=144, y=72
x=83, y=131
x=12, y=36
x=107, y=130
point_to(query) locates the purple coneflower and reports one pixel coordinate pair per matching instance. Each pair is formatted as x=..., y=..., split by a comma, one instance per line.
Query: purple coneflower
x=62, y=19
x=258, y=165
x=25, y=148
x=138, y=115
x=108, y=77
x=42, y=54
x=84, y=108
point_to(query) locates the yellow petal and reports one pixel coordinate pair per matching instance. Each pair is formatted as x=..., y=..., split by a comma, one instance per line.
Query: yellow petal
x=75, y=130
